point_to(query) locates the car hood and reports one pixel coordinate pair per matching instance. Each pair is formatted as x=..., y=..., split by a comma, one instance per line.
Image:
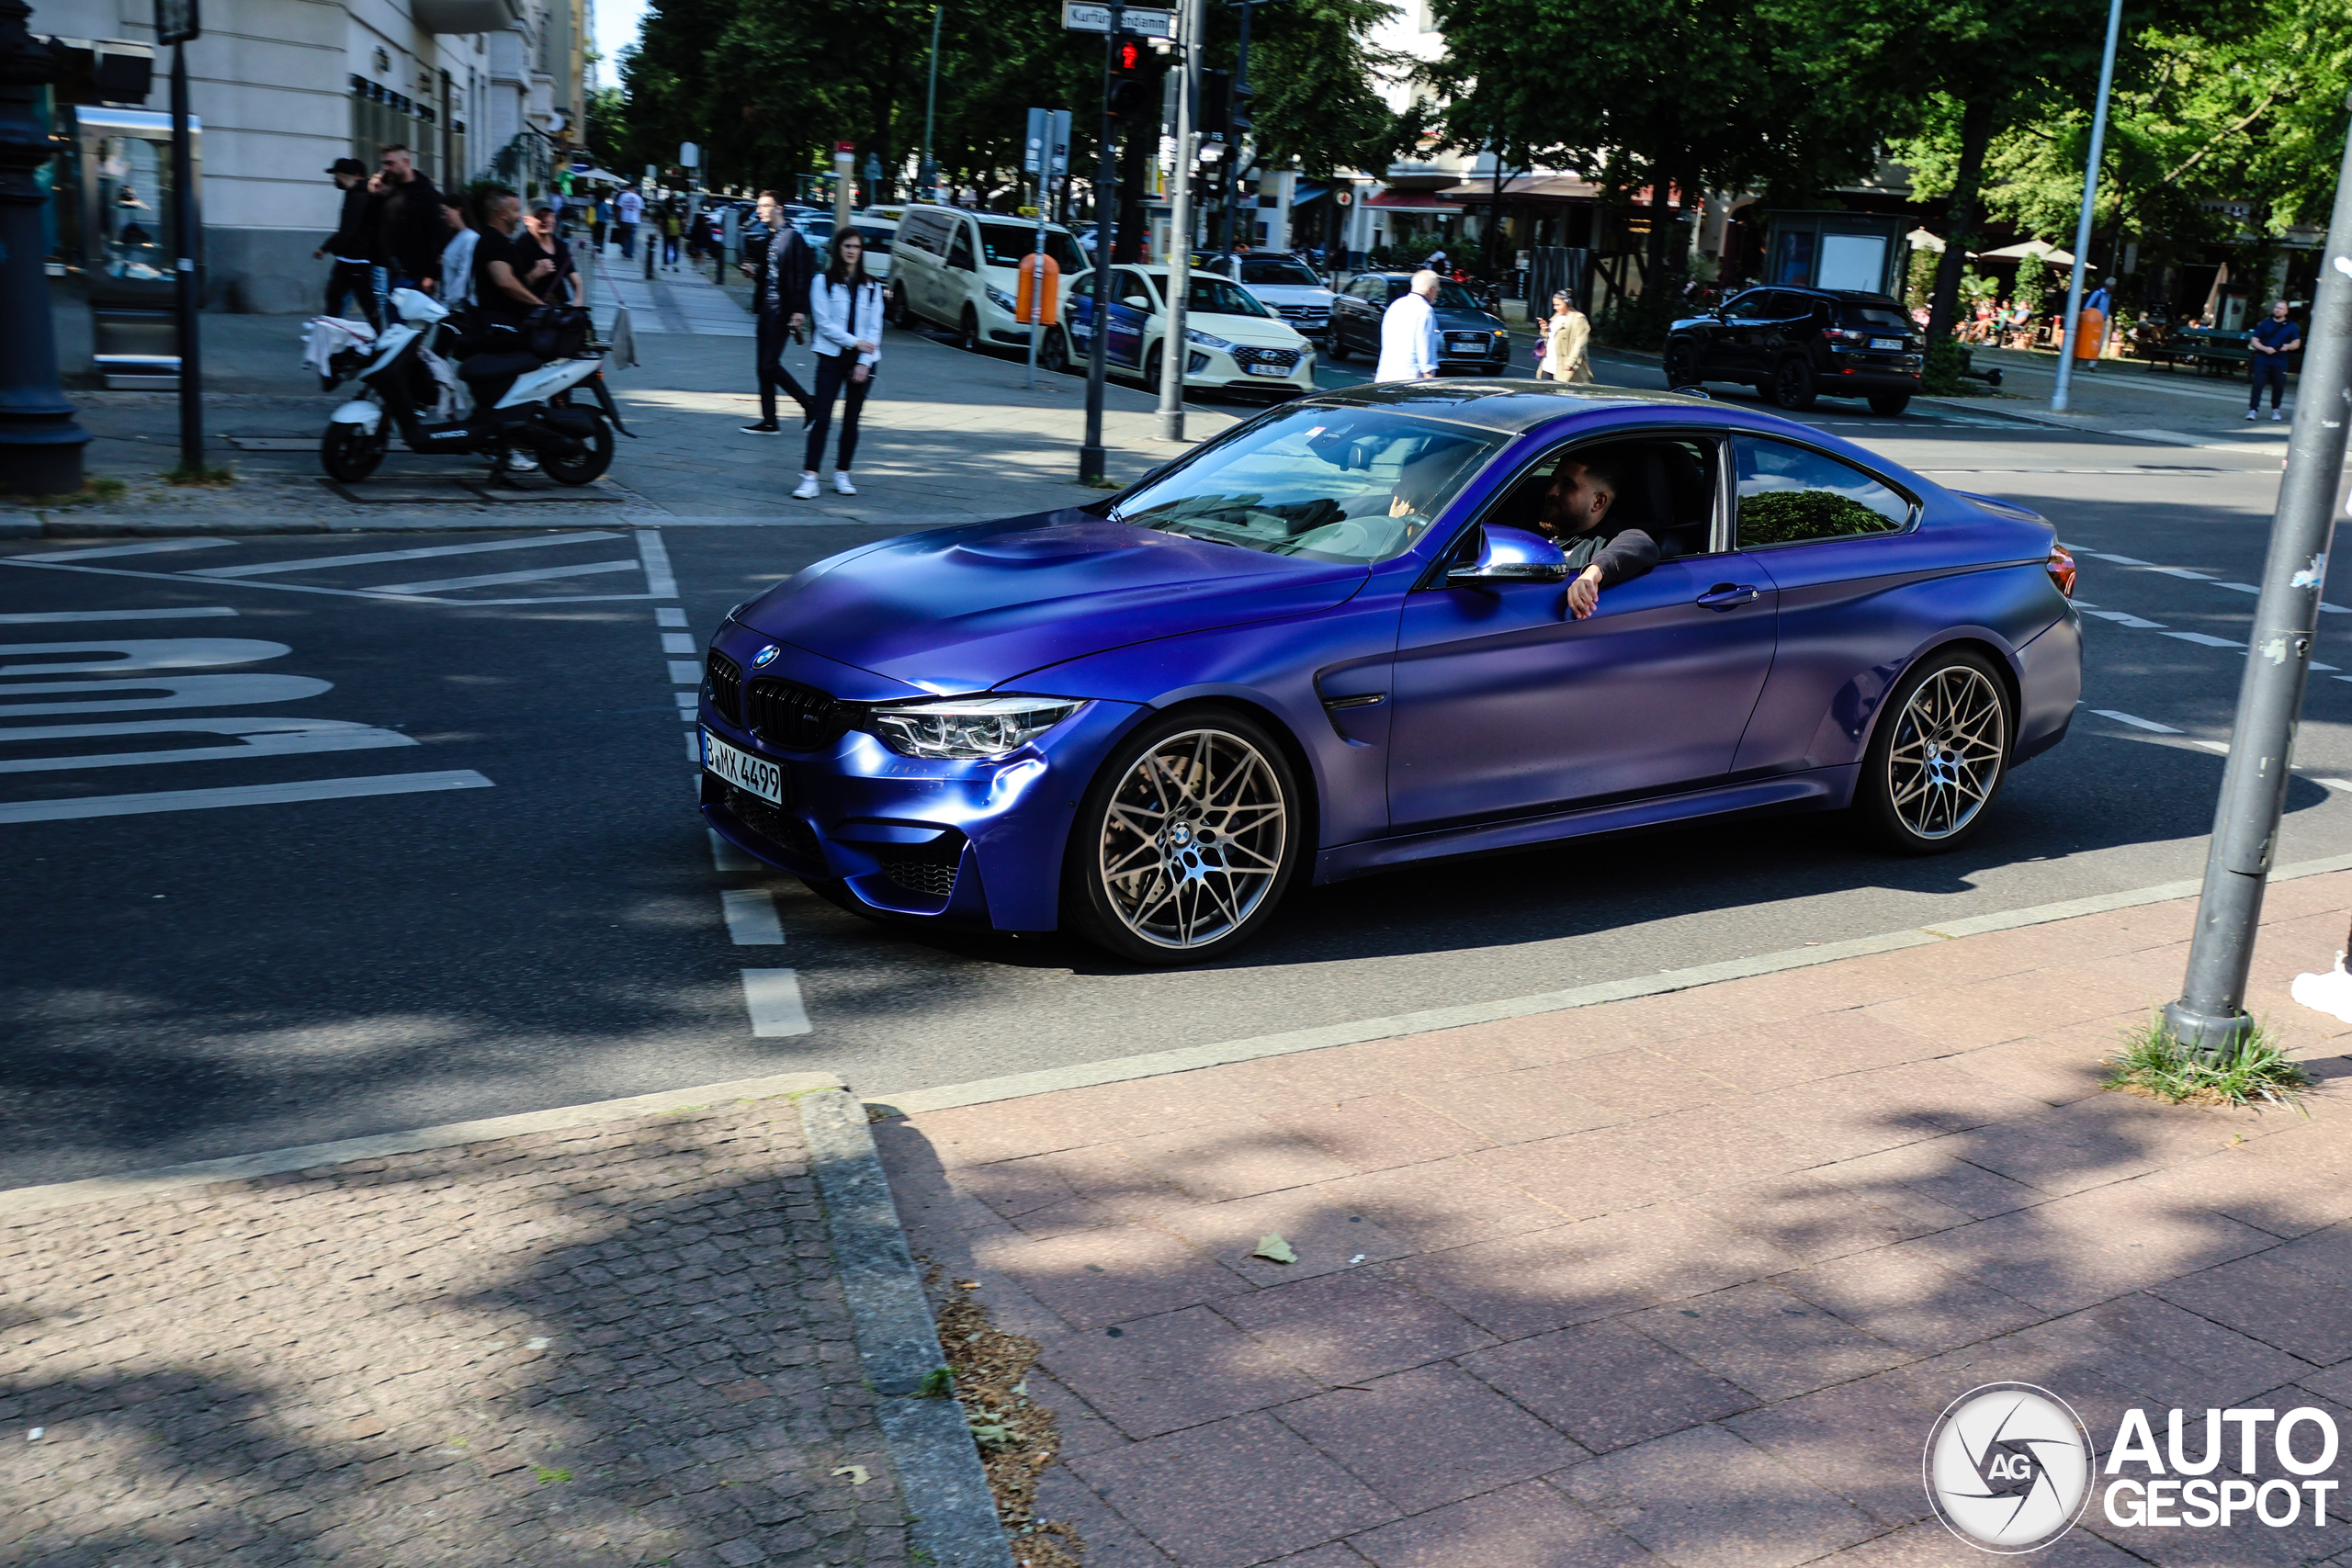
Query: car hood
x=1455, y=319
x=1289, y=293
x=1255, y=331
x=966, y=609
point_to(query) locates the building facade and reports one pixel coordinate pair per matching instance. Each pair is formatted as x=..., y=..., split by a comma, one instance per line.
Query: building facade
x=477, y=88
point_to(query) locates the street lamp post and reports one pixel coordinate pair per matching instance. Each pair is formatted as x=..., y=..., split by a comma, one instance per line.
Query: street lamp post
x=2210, y=1013
x=41, y=445
x=1091, y=456
x=928, y=174
x=2083, y=223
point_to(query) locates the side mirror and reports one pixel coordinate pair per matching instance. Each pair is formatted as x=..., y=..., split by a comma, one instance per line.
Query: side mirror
x=1511, y=555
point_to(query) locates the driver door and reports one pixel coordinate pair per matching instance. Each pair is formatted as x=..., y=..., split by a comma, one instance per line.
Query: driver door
x=1132, y=307
x=1506, y=706
x=1734, y=351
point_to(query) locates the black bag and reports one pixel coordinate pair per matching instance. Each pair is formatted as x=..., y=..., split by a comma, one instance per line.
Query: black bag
x=556, y=331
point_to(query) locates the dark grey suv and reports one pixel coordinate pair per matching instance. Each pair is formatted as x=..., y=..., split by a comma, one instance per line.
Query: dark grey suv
x=1796, y=345
x=1471, y=341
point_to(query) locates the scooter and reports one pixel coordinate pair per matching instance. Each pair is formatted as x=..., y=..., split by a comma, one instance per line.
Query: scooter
x=519, y=399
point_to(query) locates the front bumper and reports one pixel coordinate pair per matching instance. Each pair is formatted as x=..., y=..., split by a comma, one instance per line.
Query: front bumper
x=974, y=844
x=1214, y=370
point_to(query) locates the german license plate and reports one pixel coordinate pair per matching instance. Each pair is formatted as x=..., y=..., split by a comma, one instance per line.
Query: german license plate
x=756, y=775
x=1268, y=369
x=1891, y=344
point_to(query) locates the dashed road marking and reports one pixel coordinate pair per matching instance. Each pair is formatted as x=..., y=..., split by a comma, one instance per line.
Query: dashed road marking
x=106, y=551
x=751, y=917
x=684, y=672
x=661, y=581
x=240, y=795
x=669, y=615
x=725, y=856
x=377, y=557
x=772, y=999
x=678, y=642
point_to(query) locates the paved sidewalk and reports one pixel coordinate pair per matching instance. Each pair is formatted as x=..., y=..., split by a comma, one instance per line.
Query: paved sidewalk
x=615, y=1343
x=1682, y=1278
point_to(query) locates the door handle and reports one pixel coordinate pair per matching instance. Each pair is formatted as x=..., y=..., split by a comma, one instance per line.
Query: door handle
x=1729, y=595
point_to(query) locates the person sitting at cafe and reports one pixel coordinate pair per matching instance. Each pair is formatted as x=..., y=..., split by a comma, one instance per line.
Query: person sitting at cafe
x=1575, y=512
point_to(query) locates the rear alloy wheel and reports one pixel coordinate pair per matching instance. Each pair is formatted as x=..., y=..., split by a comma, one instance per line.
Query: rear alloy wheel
x=350, y=453
x=1887, y=405
x=1939, y=756
x=968, y=334
x=1185, y=842
x=1792, y=385
x=1335, y=347
x=1054, y=353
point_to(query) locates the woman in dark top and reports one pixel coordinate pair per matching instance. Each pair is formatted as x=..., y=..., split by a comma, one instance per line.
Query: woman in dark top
x=541, y=261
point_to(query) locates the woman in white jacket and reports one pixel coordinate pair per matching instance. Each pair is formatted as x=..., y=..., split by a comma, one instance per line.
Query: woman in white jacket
x=845, y=315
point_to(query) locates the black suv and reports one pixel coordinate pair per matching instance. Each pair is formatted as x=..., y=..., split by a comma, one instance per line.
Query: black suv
x=1795, y=344
x=1471, y=340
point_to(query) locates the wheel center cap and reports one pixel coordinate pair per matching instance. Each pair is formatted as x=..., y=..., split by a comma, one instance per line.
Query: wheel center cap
x=1179, y=835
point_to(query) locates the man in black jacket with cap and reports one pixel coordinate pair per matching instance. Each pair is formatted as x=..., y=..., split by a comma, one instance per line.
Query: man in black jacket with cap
x=351, y=276
x=404, y=221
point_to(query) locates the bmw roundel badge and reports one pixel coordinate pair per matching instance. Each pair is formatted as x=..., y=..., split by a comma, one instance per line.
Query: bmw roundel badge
x=766, y=657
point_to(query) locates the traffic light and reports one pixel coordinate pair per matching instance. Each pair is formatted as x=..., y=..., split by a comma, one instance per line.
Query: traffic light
x=1217, y=102
x=1242, y=95
x=1130, y=95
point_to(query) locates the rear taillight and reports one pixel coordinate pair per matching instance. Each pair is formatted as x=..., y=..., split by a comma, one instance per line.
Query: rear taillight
x=1846, y=335
x=2060, y=568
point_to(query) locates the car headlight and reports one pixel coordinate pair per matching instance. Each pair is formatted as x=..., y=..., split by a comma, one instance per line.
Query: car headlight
x=969, y=727
x=1209, y=339
x=999, y=298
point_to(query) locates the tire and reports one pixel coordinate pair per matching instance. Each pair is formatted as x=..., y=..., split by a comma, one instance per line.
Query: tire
x=894, y=308
x=1336, y=350
x=967, y=332
x=1939, y=756
x=350, y=454
x=1791, y=385
x=1681, y=368
x=1054, y=353
x=1888, y=405
x=1153, y=363
x=1186, y=841
x=584, y=467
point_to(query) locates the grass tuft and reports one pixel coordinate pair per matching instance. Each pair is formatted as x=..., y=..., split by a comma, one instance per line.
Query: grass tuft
x=208, y=475
x=2152, y=1062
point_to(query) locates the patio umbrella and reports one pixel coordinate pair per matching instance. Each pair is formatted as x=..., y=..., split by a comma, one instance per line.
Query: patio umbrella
x=2042, y=248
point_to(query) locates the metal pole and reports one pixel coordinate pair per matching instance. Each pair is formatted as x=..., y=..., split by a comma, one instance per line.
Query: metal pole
x=2083, y=223
x=188, y=244
x=41, y=445
x=929, y=176
x=1233, y=152
x=1037, y=321
x=2210, y=1013
x=1180, y=228
x=1106, y=230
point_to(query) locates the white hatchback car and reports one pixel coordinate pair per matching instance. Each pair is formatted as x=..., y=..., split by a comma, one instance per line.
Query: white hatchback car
x=1283, y=282
x=1236, y=343
x=960, y=270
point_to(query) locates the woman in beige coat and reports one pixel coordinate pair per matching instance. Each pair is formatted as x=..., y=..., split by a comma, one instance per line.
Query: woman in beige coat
x=1566, y=336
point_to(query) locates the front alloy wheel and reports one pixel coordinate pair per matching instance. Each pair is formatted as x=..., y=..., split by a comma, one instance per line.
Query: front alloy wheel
x=1052, y=354
x=1939, y=756
x=1186, y=841
x=1792, y=384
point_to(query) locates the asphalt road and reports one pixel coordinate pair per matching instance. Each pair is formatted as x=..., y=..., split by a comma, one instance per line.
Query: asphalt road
x=515, y=905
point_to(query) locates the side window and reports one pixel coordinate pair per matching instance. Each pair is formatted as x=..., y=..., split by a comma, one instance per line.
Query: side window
x=1752, y=306
x=920, y=233
x=1666, y=486
x=1133, y=292
x=1083, y=289
x=960, y=256
x=1790, y=496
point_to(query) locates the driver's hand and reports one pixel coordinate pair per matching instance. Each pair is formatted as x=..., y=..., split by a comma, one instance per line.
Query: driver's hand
x=1584, y=593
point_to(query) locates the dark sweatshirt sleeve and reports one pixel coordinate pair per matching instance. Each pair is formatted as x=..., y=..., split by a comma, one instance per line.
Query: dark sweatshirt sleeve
x=1629, y=554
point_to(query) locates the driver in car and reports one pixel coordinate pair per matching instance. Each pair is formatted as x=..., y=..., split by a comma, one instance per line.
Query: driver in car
x=1576, y=513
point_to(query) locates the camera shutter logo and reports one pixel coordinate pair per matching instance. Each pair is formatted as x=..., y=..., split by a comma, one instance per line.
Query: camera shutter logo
x=2009, y=1467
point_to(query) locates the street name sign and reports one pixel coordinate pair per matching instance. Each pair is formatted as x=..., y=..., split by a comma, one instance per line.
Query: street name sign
x=1081, y=17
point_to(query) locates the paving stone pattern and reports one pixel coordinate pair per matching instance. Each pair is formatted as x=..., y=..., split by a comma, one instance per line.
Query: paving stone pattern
x=614, y=1344
x=1681, y=1280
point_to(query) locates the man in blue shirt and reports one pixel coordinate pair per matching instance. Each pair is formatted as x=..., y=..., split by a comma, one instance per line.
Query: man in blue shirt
x=2272, y=341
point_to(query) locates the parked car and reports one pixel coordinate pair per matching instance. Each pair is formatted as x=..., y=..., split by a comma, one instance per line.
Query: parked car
x=1285, y=283
x=1796, y=345
x=1237, y=343
x=960, y=270
x=1333, y=640
x=1473, y=340
x=879, y=229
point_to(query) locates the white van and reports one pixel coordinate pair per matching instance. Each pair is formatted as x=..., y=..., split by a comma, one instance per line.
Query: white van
x=960, y=270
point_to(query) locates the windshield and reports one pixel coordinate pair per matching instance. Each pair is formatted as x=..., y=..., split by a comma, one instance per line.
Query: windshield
x=1329, y=484
x=815, y=228
x=1006, y=244
x=1886, y=317
x=1280, y=269
x=1216, y=297
x=878, y=239
x=1457, y=295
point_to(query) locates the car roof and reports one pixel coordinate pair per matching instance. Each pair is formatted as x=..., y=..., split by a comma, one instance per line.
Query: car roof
x=1501, y=403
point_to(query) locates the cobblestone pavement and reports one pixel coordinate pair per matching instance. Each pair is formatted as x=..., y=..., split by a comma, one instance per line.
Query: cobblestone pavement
x=1682, y=1278
x=612, y=1345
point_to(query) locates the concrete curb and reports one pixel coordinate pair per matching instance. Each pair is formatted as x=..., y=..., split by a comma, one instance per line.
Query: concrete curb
x=1190, y=1058
x=930, y=1441
x=306, y=1156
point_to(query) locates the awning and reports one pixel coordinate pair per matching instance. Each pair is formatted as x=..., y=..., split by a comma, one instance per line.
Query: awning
x=1526, y=187
x=1303, y=193
x=593, y=176
x=1921, y=239
x=1413, y=201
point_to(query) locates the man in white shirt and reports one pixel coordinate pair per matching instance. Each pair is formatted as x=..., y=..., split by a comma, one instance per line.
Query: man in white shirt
x=1408, y=342
x=628, y=208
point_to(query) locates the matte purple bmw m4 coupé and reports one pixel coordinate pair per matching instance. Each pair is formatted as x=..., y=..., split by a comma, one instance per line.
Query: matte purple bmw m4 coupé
x=1383, y=625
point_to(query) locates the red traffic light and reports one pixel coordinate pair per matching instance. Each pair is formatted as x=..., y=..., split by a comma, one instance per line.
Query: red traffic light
x=1130, y=55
